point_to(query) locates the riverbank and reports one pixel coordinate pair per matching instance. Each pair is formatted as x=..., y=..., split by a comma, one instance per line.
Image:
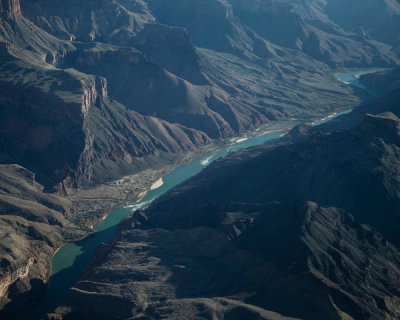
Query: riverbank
x=150, y=180
x=352, y=76
x=94, y=205
x=157, y=184
x=72, y=258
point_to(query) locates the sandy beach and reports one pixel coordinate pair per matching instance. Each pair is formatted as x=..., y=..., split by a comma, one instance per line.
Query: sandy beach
x=157, y=184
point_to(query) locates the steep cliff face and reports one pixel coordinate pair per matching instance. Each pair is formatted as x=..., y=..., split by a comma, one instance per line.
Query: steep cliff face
x=93, y=90
x=320, y=29
x=247, y=260
x=10, y=7
x=246, y=237
x=268, y=75
x=117, y=140
x=73, y=137
x=318, y=169
x=33, y=225
x=205, y=18
x=91, y=126
x=248, y=83
x=62, y=126
x=123, y=23
x=386, y=14
x=147, y=88
x=172, y=48
x=59, y=113
x=385, y=84
x=29, y=138
x=89, y=20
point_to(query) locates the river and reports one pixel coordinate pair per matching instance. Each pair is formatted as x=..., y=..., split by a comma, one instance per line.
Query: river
x=352, y=77
x=69, y=262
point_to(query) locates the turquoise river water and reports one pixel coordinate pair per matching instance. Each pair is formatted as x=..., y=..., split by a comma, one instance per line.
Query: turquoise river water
x=69, y=262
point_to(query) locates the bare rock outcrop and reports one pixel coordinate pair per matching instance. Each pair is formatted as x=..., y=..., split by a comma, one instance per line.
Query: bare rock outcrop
x=304, y=230
x=10, y=7
x=33, y=224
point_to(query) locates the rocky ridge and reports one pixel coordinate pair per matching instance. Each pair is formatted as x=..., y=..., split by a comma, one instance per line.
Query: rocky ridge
x=93, y=91
x=33, y=225
x=301, y=230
